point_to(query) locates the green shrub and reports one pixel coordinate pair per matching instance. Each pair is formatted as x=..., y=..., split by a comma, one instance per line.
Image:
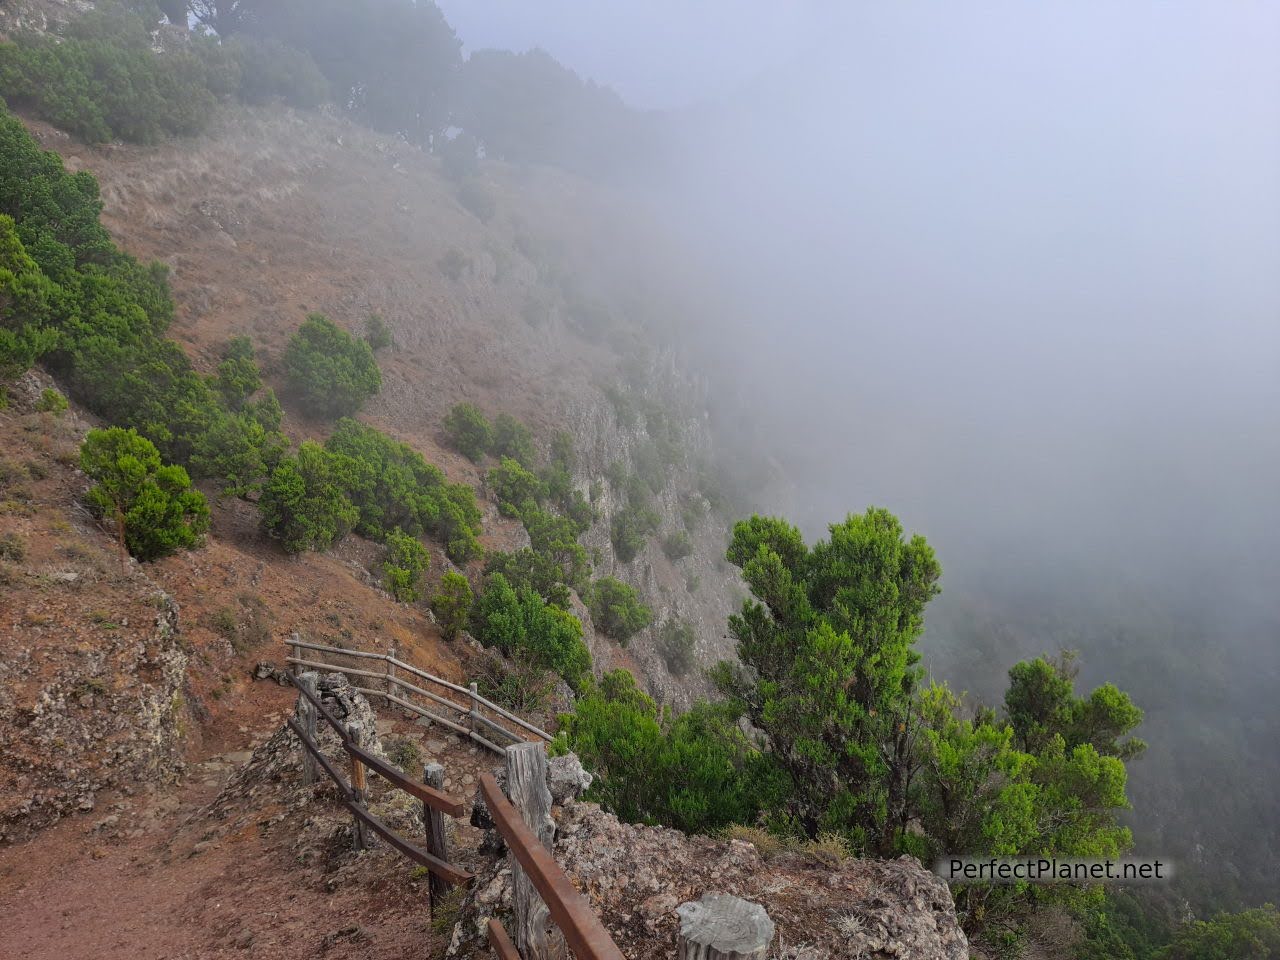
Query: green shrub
x=239, y=451
x=28, y=299
x=452, y=605
x=151, y=506
x=511, y=438
x=332, y=371
x=675, y=646
x=526, y=568
x=376, y=333
x=404, y=566
x=630, y=529
x=469, y=431
x=677, y=545
x=405, y=754
x=238, y=377
x=514, y=487
x=1248, y=935
x=697, y=773
x=616, y=609
x=103, y=80
x=304, y=505
x=51, y=401
x=522, y=623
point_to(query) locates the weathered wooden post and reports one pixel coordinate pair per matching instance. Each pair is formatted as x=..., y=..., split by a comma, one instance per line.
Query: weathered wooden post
x=475, y=709
x=437, y=840
x=309, y=681
x=723, y=927
x=536, y=936
x=296, y=651
x=391, y=670
x=360, y=834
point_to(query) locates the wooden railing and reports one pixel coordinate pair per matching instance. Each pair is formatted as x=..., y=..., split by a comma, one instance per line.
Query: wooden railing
x=436, y=803
x=551, y=916
x=470, y=720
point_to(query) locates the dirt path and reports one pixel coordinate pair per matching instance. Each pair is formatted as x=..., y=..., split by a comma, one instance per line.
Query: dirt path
x=150, y=885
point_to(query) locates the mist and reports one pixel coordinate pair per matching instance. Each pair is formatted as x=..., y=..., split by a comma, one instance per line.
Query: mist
x=1013, y=271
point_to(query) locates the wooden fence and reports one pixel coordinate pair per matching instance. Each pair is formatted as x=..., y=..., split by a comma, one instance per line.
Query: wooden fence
x=436, y=804
x=551, y=916
x=470, y=719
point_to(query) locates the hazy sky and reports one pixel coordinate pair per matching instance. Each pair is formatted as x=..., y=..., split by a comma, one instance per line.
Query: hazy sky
x=1011, y=265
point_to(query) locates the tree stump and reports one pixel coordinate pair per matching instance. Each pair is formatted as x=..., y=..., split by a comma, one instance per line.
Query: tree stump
x=723, y=927
x=535, y=934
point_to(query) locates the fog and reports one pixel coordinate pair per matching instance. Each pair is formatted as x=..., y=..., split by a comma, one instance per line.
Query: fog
x=1013, y=271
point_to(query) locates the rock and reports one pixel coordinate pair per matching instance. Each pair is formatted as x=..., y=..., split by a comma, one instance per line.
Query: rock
x=567, y=778
x=264, y=670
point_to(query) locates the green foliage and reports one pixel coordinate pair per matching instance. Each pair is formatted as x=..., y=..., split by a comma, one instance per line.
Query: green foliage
x=27, y=301
x=51, y=401
x=304, y=505
x=696, y=772
x=677, y=545
x=527, y=569
x=330, y=370
x=239, y=451
x=452, y=605
x=238, y=376
x=630, y=529
x=376, y=333
x=514, y=487
x=675, y=645
x=151, y=505
x=12, y=548
x=266, y=70
x=616, y=609
x=554, y=537
x=104, y=81
x=392, y=486
x=404, y=566
x=1248, y=935
x=511, y=438
x=469, y=431
x=829, y=636
x=520, y=623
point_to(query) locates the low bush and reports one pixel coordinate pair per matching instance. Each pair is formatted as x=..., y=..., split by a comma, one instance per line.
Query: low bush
x=521, y=623
x=616, y=609
x=675, y=646
x=452, y=605
x=331, y=371
x=469, y=431
x=513, y=439
x=517, y=684
x=376, y=333
x=630, y=529
x=677, y=545
x=304, y=504
x=404, y=566
x=150, y=506
x=515, y=488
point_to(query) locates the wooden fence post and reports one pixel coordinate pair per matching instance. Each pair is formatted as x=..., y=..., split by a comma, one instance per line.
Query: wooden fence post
x=391, y=668
x=475, y=709
x=309, y=680
x=360, y=834
x=437, y=840
x=536, y=937
x=297, y=653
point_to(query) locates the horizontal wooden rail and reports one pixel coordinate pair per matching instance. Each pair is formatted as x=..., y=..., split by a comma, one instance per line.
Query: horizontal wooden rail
x=431, y=797
x=469, y=717
x=445, y=871
x=501, y=943
x=582, y=929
